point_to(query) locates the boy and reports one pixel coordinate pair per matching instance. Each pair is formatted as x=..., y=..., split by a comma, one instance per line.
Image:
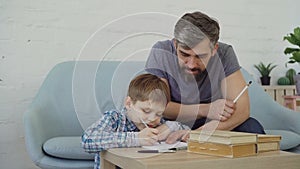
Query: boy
x=138, y=123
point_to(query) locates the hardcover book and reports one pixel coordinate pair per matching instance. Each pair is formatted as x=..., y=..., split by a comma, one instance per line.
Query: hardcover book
x=222, y=137
x=224, y=150
x=268, y=142
x=268, y=146
x=268, y=138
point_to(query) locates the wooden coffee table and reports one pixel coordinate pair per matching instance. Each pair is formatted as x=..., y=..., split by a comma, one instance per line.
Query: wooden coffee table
x=128, y=158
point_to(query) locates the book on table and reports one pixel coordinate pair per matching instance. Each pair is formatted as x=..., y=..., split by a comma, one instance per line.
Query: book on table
x=222, y=143
x=231, y=144
x=268, y=142
x=224, y=150
x=267, y=138
x=222, y=137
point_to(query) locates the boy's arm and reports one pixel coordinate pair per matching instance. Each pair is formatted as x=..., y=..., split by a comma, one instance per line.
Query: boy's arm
x=169, y=127
x=103, y=134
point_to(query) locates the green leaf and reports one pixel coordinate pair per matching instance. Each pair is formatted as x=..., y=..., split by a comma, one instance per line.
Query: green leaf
x=297, y=41
x=292, y=39
x=297, y=33
x=291, y=61
x=296, y=56
x=290, y=50
x=265, y=70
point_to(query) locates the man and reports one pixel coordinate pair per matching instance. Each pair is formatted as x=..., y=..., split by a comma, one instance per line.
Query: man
x=203, y=76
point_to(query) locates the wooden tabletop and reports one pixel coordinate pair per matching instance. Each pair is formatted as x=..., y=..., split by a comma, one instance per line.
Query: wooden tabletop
x=129, y=158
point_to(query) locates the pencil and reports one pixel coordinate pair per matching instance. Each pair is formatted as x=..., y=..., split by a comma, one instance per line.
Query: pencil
x=242, y=92
x=145, y=124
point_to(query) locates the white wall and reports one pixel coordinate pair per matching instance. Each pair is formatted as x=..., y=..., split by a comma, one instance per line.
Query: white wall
x=35, y=35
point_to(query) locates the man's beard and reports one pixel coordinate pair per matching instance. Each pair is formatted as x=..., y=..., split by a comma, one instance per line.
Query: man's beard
x=190, y=77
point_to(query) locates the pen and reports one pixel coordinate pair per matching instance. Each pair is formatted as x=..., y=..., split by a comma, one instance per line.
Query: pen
x=156, y=151
x=245, y=88
x=178, y=148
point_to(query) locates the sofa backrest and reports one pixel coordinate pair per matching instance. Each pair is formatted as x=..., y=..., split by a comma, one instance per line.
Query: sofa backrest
x=101, y=86
x=76, y=92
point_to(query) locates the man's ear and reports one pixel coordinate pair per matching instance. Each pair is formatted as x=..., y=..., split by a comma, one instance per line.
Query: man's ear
x=214, y=51
x=127, y=102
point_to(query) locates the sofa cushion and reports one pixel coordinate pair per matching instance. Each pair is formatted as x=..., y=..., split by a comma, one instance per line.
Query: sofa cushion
x=288, y=139
x=295, y=150
x=67, y=148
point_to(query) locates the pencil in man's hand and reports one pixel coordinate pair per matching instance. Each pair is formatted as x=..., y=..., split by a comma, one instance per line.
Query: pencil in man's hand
x=242, y=92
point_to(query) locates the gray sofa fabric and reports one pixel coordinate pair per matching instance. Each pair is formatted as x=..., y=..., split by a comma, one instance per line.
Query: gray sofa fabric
x=74, y=94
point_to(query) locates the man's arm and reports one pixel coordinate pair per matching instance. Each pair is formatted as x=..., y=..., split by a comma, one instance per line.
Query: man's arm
x=188, y=113
x=184, y=113
x=231, y=87
x=234, y=114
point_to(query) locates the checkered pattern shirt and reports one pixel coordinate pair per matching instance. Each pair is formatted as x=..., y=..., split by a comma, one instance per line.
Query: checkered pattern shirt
x=113, y=130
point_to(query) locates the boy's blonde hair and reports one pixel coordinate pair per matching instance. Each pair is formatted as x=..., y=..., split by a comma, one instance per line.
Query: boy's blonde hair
x=148, y=87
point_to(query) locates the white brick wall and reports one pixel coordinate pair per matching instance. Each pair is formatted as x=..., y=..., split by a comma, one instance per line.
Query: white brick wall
x=37, y=34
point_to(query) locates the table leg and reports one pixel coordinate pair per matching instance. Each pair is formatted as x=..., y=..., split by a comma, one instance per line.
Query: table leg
x=104, y=164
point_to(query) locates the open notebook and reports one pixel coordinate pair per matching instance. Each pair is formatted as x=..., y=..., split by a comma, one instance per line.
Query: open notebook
x=165, y=146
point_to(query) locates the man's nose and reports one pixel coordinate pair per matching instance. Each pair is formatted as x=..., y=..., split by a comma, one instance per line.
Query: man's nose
x=192, y=62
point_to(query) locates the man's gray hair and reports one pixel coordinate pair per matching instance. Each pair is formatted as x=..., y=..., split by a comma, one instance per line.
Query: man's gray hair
x=187, y=34
x=192, y=28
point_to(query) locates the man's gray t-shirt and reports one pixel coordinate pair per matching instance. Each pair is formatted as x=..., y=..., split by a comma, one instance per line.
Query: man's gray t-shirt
x=206, y=88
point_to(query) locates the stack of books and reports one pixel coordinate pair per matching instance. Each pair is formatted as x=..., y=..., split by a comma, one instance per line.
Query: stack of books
x=231, y=144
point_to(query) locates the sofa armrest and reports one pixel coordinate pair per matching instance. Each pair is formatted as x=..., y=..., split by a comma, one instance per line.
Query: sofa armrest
x=35, y=135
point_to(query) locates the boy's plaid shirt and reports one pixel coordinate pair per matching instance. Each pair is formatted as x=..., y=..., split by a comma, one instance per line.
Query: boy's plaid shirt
x=112, y=130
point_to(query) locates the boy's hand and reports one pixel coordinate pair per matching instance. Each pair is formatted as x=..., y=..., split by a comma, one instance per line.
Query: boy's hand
x=148, y=136
x=164, y=132
x=180, y=135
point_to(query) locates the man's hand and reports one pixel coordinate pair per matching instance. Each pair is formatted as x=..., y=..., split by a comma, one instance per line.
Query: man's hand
x=180, y=135
x=148, y=136
x=221, y=109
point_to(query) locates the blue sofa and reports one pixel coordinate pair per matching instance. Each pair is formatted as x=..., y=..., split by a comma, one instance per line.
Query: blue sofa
x=74, y=93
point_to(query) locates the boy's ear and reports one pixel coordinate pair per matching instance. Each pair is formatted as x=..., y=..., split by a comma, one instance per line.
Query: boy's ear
x=127, y=102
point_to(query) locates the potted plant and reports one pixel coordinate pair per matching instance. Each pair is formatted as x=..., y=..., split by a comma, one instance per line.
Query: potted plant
x=265, y=71
x=294, y=53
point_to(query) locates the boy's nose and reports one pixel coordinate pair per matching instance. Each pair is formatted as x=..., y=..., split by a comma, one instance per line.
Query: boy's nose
x=152, y=117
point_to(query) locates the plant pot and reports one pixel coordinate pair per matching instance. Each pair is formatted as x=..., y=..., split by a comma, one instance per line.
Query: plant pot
x=297, y=83
x=265, y=80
